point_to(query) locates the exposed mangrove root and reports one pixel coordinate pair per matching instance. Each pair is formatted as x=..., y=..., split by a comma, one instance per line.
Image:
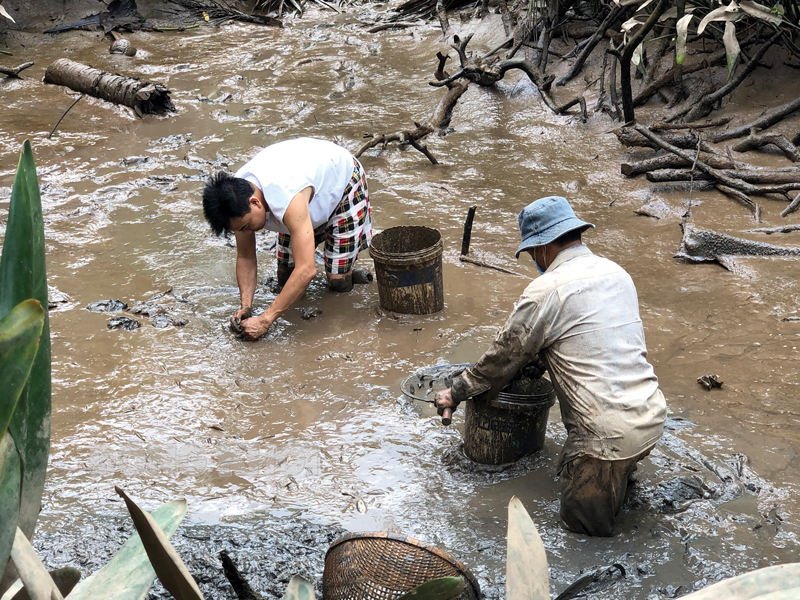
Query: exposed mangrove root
x=438, y=119
x=671, y=161
x=612, y=17
x=756, y=140
x=15, y=72
x=142, y=96
x=793, y=206
x=703, y=107
x=473, y=69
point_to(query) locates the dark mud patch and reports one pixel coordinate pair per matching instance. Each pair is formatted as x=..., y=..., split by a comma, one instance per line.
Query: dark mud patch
x=268, y=551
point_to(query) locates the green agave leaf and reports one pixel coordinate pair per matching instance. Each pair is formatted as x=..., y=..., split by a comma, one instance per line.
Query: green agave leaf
x=169, y=567
x=299, y=588
x=10, y=478
x=19, y=340
x=444, y=588
x=23, y=276
x=732, y=49
x=732, y=12
x=680, y=42
x=760, y=584
x=129, y=575
x=526, y=562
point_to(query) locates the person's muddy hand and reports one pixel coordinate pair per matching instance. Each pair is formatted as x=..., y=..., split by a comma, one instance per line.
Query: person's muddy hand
x=239, y=316
x=254, y=328
x=445, y=405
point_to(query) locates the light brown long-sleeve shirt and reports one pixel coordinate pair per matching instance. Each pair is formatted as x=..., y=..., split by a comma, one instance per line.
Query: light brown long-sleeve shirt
x=582, y=316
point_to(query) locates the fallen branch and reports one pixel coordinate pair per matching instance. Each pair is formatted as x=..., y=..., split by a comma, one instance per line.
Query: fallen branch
x=763, y=122
x=14, y=73
x=661, y=126
x=671, y=161
x=771, y=230
x=793, y=206
x=688, y=140
x=396, y=25
x=703, y=107
x=750, y=176
x=721, y=177
x=50, y=135
x=141, y=96
x=480, y=263
x=758, y=140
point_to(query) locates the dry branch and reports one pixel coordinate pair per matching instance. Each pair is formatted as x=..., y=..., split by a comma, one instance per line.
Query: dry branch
x=15, y=72
x=662, y=126
x=749, y=176
x=141, y=96
x=52, y=131
x=670, y=161
x=793, y=206
x=767, y=120
x=771, y=230
x=758, y=140
x=480, y=263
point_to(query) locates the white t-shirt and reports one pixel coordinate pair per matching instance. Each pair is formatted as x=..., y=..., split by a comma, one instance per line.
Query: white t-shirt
x=282, y=170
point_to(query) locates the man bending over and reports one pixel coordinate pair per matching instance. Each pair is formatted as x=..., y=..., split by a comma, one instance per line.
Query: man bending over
x=309, y=191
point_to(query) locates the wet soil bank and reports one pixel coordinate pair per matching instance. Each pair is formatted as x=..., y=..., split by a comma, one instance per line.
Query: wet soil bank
x=280, y=438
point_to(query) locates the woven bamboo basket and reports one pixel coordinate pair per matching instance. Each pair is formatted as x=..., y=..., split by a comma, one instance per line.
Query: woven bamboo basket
x=383, y=566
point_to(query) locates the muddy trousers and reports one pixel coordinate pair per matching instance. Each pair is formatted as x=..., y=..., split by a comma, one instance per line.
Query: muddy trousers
x=593, y=491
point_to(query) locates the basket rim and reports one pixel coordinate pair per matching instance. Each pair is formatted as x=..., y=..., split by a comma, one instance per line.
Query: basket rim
x=360, y=535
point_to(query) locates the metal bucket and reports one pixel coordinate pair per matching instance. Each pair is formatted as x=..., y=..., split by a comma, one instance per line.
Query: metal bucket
x=408, y=268
x=509, y=426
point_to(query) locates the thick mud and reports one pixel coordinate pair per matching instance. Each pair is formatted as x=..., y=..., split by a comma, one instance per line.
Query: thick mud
x=273, y=443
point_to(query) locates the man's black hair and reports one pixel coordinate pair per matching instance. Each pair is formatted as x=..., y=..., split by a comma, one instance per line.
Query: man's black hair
x=569, y=237
x=225, y=197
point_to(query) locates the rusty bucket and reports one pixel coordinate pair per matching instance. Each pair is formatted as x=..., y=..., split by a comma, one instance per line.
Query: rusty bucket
x=408, y=268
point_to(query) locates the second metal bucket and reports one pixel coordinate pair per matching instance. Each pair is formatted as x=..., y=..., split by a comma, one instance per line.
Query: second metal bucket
x=506, y=428
x=408, y=268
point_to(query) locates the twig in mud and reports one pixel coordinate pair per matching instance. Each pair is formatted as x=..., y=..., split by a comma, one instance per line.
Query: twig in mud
x=15, y=72
x=661, y=126
x=50, y=135
x=395, y=25
x=756, y=140
x=465, y=240
x=793, y=206
x=480, y=263
x=771, y=230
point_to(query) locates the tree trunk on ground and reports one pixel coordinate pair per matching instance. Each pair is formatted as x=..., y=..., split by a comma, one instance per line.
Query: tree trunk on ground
x=141, y=96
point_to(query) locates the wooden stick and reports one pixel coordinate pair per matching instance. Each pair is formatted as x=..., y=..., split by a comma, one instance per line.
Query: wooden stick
x=771, y=230
x=661, y=126
x=793, y=206
x=762, y=122
x=49, y=135
x=468, y=230
x=398, y=25
x=14, y=73
x=758, y=140
x=480, y=263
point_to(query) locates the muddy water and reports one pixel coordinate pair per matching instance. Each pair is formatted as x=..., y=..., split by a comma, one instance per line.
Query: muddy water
x=296, y=427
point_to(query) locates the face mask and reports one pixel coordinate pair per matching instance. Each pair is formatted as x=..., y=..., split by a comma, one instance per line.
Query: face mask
x=536, y=262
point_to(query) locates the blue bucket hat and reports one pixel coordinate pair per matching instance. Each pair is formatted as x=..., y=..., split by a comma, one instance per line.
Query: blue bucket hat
x=546, y=220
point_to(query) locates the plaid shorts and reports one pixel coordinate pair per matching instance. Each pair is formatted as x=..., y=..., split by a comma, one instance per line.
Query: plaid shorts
x=347, y=232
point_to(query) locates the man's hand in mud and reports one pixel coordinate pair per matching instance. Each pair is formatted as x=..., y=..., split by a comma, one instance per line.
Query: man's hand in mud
x=237, y=318
x=444, y=399
x=254, y=328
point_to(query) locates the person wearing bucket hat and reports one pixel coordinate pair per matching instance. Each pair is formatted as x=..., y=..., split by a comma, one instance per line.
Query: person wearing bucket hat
x=579, y=320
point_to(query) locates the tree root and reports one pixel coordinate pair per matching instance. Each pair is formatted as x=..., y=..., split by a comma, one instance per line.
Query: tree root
x=670, y=161
x=438, y=119
x=749, y=176
x=767, y=120
x=771, y=230
x=474, y=70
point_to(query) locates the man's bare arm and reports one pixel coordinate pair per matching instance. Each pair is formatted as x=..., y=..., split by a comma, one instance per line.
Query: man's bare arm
x=246, y=268
x=298, y=221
